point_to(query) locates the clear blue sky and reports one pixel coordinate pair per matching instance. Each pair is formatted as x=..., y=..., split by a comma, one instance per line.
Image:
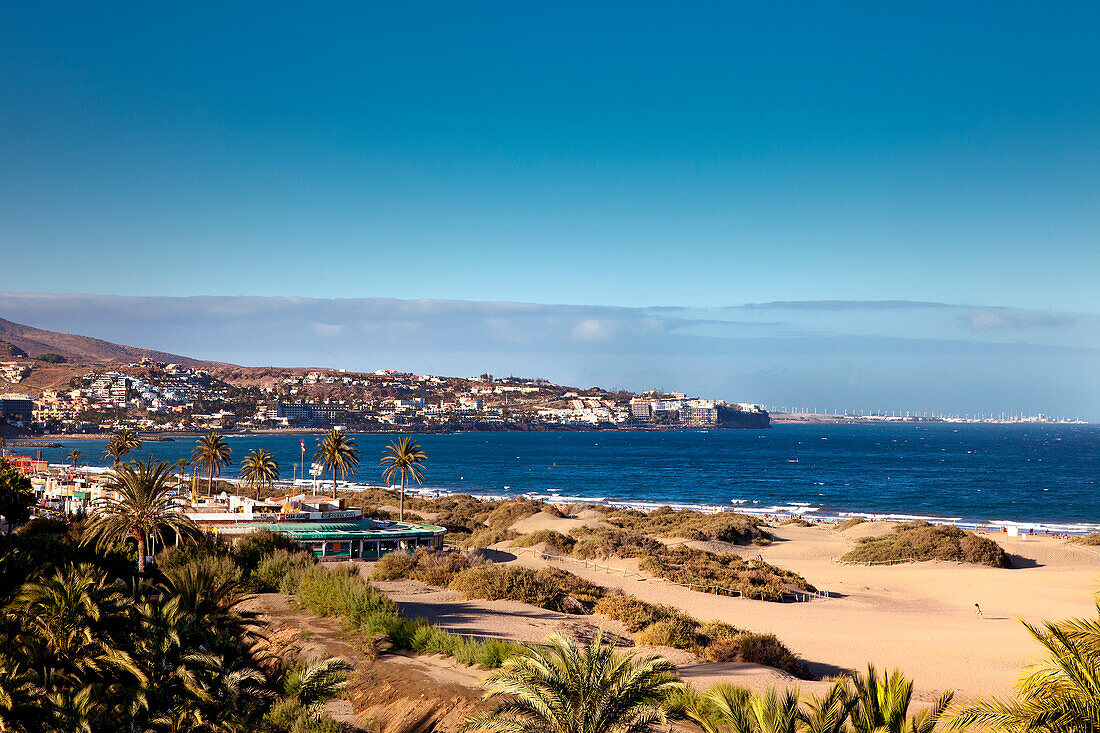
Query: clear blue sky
x=613, y=154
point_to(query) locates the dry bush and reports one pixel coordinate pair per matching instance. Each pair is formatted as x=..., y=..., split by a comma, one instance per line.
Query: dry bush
x=634, y=613
x=691, y=524
x=849, y=523
x=1087, y=539
x=555, y=539
x=920, y=541
x=507, y=513
x=548, y=588
x=433, y=567
x=603, y=542
x=486, y=537
x=754, y=578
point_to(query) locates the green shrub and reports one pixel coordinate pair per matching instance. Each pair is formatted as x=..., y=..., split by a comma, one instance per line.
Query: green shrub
x=557, y=540
x=288, y=716
x=341, y=593
x=919, y=541
x=486, y=537
x=273, y=568
x=250, y=549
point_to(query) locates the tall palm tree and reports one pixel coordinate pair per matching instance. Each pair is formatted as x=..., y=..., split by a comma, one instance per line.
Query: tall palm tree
x=403, y=457
x=567, y=688
x=337, y=452
x=1060, y=693
x=74, y=456
x=143, y=507
x=211, y=455
x=883, y=705
x=120, y=444
x=259, y=469
x=181, y=464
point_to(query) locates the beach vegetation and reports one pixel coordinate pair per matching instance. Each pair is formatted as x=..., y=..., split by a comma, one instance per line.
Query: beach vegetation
x=405, y=458
x=1092, y=539
x=550, y=588
x=433, y=567
x=920, y=541
x=691, y=524
x=849, y=523
x=702, y=570
x=552, y=538
x=882, y=705
x=565, y=686
x=484, y=537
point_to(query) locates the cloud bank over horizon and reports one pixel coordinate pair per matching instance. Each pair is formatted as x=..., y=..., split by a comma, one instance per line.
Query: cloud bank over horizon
x=886, y=355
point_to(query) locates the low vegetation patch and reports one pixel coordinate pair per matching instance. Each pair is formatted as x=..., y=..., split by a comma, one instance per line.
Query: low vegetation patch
x=1086, y=539
x=849, y=523
x=344, y=594
x=550, y=588
x=560, y=542
x=461, y=514
x=711, y=572
x=919, y=541
x=428, y=566
x=713, y=641
x=693, y=525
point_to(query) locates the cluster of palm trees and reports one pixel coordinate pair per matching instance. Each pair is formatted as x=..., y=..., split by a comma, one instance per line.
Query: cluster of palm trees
x=336, y=452
x=120, y=445
x=87, y=647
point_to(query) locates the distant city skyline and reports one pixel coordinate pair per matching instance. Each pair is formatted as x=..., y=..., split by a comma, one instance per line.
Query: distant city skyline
x=835, y=355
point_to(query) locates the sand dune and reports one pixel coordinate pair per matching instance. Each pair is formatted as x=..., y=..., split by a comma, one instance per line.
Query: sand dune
x=918, y=617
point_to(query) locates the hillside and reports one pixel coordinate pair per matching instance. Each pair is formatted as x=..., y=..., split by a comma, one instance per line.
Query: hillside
x=36, y=341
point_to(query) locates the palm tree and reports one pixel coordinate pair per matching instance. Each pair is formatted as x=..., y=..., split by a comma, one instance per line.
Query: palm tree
x=212, y=454
x=828, y=713
x=403, y=457
x=736, y=709
x=883, y=705
x=258, y=469
x=143, y=507
x=121, y=443
x=338, y=452
x=74, y=456
x=567, y=688
x=181, y=464
x=313, y=684
x=1061, y=693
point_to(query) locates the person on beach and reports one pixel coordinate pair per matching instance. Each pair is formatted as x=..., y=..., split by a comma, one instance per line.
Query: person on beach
x=978, y=613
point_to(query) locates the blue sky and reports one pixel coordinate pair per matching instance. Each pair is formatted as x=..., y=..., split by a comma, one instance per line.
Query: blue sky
x=625, y=155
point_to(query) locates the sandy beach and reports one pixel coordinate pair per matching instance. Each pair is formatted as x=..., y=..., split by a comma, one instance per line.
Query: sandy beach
x=919, y=617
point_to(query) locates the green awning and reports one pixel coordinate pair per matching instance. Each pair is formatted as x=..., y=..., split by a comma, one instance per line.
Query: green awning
x=350, y=530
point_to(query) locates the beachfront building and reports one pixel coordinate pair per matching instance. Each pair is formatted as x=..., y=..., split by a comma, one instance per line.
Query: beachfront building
x=319, y=523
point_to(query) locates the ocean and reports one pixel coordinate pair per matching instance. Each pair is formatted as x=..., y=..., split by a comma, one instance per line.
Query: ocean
x=967, y=473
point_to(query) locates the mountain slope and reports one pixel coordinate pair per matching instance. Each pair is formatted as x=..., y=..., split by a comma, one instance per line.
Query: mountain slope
x=36, y=341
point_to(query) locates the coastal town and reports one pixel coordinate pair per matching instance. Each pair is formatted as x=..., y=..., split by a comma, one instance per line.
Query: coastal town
x=155, y=396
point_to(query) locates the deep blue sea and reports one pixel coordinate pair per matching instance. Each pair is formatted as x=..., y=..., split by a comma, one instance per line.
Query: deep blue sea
x=1023, y=473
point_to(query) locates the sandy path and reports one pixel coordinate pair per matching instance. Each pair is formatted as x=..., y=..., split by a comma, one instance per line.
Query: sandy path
x=919, y=617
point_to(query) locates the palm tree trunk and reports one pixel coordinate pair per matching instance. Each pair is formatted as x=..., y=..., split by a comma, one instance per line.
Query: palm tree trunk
x=210, y=482
x=334, y=482
x=401, y=514
x=141, y=553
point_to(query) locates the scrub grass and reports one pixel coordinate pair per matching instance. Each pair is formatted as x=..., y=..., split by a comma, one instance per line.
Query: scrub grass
x=920, y=541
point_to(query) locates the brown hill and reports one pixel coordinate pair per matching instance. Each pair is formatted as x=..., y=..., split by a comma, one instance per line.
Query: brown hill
x=36, y=341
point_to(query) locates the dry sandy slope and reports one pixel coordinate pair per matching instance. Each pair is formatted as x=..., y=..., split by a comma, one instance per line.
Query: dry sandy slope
x=919, y=617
